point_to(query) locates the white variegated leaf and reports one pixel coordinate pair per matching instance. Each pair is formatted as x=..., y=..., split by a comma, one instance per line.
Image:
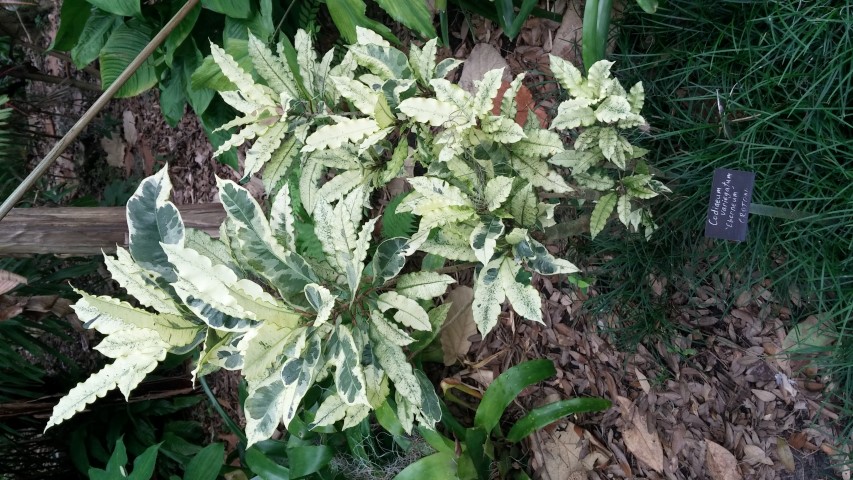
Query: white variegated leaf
x=250, y=132
x=438, y=190
x=262, y=150
x=342, y=184
x=309, y=189
x=484, y=239
x=366, y=36
x=594, y=180
x=446, y=66
x=333, y=409
x=423, y=285
x=349, y=376
x=306, y=58
x=388, y=330
x=263, y=408
x=321, y=300
x=139, y=283
x=409, y=313
x=133, y=341
x=488, y=297
x=523, y=297
x=125, y=372
x=422, y=61
x=392, y=359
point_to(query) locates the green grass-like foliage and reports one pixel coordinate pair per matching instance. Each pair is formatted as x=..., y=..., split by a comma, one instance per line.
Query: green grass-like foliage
x=343, y=317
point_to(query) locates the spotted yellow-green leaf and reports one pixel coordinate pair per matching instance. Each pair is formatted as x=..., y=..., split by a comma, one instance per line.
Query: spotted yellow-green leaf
x=308, y=185
x=342, y=184
x=569, y=77
x=574, y=113
x=448, y=92
x=509, y=107
x=536, y=171
x=422, y=61
x=623, y=209
x=451, y=245
x=362, y=97
x=254, y=92
x=272, y=68
x=333, y=409
x=613, y=109
x=263, y=348
x=306, y=58
x=409, y=313
x=523, y=206
x=343, y=131
x=502, y=129
x=540, y=143
x=484, y=239
x=496, y=192
x=392, y=359
x=597, y=78
x=601, y=213
x=595, y=180
x=487, y=89
x=578, y=161
x=434, y=112
x=276, y=169
x=439, y=191
x=385, y=62
x=636, y=97
x=214, y=249
x=423, y=285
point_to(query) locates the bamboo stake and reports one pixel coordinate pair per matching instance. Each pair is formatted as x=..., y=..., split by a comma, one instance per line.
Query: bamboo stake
x=93, y=111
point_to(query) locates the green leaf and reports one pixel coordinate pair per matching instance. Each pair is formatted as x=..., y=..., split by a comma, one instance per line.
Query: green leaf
x=504, y=389
x=205, y=465
x=125, y=43
x=122, y=8
x=173, y=96
x=143, y=465
x=231, y=8
x=438, y=465
x=414, y=15
x=596, y=29
x=93, y=37
x=264, y=467
x=541, y=417
x=72, y=20
x=209, y=74
x=648, y=6
x=397, y=224
x=601, y=213
x=308, y=459
x=181, y=32
x=348, y=15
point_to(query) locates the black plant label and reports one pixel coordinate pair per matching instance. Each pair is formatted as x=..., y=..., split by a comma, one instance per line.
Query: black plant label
x=728, y=205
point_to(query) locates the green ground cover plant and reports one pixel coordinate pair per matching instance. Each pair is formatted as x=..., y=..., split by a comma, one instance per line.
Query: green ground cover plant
x=321, y=332
x=763, y=87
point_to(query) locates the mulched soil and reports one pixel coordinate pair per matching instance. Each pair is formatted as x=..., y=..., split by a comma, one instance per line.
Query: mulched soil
x=724, y=380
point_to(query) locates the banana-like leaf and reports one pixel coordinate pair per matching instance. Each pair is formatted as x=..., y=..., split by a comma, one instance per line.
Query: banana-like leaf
x=124, y=44
x=506, y=388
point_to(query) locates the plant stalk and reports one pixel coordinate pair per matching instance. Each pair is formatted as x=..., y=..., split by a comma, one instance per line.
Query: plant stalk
x=93, y=111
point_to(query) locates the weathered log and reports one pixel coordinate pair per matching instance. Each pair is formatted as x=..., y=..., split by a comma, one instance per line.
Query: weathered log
x=85, y=230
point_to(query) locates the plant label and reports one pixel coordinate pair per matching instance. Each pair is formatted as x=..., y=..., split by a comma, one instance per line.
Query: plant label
x=728, y=206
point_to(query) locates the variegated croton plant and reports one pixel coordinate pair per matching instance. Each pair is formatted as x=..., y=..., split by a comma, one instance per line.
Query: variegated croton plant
x=343, y=316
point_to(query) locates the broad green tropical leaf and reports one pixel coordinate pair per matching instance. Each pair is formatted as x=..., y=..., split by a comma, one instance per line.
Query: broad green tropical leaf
x=124, y=44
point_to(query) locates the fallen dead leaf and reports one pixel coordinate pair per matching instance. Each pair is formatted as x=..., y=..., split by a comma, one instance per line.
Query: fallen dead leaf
x=645, y=445
x=459, y=326
x=763, y=395
x=644, y=381
x=722, y=465
x=114, y=147
x=567, y=40
x=483, y=57
x=559, y=454
x=811, y=332
x=9, y=280
x=131, y=135
x=754, y=455
x=783, y=451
